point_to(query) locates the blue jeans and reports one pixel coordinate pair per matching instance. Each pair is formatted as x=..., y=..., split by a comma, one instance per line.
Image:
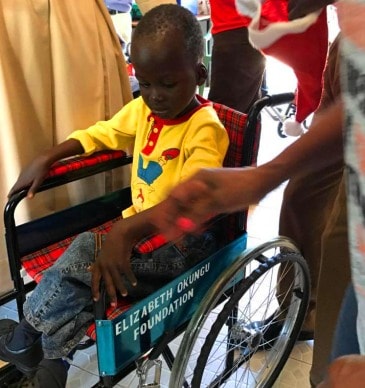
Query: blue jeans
x=345, y=338
x=61, y=306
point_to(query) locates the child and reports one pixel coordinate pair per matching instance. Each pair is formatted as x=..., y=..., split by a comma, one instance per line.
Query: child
x=174, y=133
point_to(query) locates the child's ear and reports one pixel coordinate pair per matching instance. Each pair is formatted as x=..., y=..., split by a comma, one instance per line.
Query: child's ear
x=202, y=74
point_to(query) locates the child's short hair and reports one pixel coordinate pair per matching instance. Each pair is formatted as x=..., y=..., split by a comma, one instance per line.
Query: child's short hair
x=167, y=17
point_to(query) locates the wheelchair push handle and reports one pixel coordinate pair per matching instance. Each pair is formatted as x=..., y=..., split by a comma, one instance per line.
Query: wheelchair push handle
x=270, y=100
x=279, y=99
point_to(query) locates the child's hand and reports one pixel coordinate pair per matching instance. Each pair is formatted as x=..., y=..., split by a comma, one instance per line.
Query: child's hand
x=33, y=176
x=113, y=265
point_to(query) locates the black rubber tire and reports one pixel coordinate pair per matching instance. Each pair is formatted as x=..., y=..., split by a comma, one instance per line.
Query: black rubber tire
x=231, y=304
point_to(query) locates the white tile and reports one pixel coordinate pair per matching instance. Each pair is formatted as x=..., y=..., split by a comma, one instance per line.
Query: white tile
x=294, y=375
x=303, y=351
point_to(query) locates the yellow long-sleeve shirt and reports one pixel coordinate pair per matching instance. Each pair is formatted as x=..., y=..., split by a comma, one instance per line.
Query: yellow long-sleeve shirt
x=165, y=152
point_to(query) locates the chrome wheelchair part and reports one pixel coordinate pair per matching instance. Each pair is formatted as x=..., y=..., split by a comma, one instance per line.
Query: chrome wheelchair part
x=143, y=370
x=279, y=114
x=240, y=316
x=243, y=334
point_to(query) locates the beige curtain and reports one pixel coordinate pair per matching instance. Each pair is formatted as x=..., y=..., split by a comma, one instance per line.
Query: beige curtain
x=61, y=68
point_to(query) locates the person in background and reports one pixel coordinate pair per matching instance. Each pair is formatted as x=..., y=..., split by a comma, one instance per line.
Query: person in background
x=121, y=15
x=348, y=355
x=237, y=68
x=120, y=11
x=173, y=133
x=217, y=191
x=321, y=232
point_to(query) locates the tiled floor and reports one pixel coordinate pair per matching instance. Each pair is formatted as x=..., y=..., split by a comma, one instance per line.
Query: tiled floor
x=263, y=224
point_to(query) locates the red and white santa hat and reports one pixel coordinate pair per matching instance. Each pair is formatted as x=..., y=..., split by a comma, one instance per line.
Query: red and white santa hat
x=302, y=44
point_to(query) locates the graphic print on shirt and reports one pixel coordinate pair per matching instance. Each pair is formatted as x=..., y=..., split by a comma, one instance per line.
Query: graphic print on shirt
x=153, y=170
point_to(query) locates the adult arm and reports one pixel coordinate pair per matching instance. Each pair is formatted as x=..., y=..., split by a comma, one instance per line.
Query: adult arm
x=214, y=191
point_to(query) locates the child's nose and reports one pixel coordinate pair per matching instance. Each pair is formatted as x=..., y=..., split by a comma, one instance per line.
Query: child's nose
x=156, y=95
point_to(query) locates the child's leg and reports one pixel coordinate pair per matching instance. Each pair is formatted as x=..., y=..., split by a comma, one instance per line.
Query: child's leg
x=59, y=310
x=20, y=344
x=61, y=305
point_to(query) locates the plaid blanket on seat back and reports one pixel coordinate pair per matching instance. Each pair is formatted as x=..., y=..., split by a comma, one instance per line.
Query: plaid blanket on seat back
x=236, y=125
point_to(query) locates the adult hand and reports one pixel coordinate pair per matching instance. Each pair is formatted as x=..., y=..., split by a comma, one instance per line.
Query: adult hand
x=300, y=8
x=206, y=194
x=113, y=264
x=347, y=371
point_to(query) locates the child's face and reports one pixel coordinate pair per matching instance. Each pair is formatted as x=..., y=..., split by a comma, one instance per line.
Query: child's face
x=167, y=77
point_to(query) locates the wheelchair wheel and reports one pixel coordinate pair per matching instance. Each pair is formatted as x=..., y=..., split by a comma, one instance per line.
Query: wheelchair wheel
x=248, y=322
x=281, y=131
x=289, y=112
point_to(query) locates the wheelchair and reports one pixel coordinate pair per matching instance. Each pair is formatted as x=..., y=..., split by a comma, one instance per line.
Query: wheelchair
x=222, y=309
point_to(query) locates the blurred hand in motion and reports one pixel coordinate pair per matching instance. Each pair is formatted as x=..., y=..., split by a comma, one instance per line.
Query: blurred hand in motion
x=206, y=194
x=347, y=371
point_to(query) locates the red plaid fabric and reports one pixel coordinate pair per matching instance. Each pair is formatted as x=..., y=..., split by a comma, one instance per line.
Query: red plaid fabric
x=235, y=124
x=37, y=262
x=150, y=243
x=76, y=163
x=123, y=305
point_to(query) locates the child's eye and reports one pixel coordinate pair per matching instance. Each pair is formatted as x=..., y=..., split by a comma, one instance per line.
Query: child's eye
x=143, y=84
x=169, y=85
